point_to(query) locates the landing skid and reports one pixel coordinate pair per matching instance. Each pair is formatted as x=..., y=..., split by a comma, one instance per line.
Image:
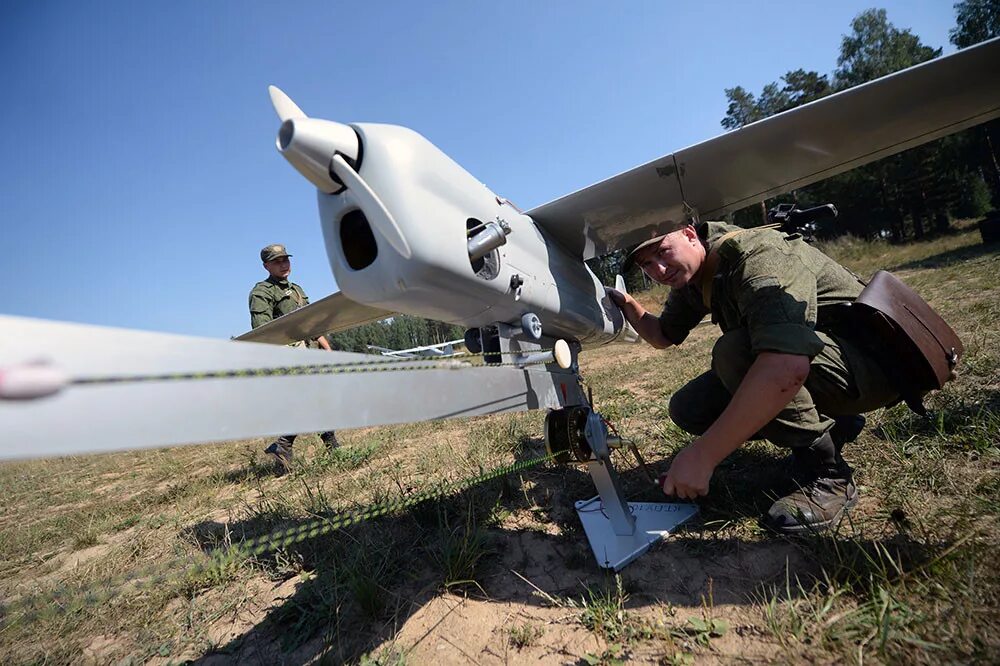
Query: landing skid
x=620, y=531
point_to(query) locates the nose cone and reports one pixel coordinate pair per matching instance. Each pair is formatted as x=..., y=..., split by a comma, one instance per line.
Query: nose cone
x=310, y=143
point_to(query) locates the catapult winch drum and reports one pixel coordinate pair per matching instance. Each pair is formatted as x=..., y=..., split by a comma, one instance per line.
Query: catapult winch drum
x=567, y=438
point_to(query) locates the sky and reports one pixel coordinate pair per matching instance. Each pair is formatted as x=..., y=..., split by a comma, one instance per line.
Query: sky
x=139, y=178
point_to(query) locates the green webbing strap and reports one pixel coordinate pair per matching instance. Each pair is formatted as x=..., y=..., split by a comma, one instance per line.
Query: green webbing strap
x=451, y=362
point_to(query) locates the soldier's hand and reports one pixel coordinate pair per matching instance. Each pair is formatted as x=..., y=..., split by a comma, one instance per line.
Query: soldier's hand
x=689, y=474
x=617, y=297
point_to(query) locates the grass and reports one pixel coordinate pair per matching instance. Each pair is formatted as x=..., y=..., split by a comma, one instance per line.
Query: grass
x=389, y=656
x=459, y=552
x=525, y=635
x=604, y=612
x=502, y=571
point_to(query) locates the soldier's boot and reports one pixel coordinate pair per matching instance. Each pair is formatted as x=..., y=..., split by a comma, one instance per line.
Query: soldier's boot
x=281, y=449
x=844, y=431
x=820, y=499
x=330, y=439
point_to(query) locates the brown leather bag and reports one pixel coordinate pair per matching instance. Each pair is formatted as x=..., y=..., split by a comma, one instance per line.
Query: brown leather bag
x=918, y=349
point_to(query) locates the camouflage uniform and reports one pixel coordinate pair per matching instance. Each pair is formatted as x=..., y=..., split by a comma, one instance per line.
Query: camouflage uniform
x=773, y=292
x=270, y=299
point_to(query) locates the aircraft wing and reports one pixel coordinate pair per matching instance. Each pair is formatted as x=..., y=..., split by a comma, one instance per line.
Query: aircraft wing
x=385, y=351
x=333, y=313
x=72, y=388
x=786, y=151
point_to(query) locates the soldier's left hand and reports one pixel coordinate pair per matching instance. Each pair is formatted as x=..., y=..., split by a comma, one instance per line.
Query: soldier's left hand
x=689, y=474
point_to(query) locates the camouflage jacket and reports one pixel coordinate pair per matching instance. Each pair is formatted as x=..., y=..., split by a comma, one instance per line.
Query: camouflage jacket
x=272, y=298
x=775, y=285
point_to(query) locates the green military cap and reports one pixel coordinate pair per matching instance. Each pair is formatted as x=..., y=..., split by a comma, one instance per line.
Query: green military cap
x=272, y=252
x=630, y=257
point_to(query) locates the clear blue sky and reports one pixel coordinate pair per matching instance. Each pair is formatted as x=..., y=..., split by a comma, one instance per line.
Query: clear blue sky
x=139, y=178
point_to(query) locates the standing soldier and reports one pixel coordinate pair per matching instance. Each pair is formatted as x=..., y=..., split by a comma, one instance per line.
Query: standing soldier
x=270, y=299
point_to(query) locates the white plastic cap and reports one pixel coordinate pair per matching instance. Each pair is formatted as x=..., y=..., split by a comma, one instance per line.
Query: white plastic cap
x=563, y=354
x=34, y=380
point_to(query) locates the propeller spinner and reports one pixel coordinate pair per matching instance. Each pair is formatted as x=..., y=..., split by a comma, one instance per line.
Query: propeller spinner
x=326, y=153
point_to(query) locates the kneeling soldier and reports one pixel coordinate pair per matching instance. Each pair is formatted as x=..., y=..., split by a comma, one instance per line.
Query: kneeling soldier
x=785, y=368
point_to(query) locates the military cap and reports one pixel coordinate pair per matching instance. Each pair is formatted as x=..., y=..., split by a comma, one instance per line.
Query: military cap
x=272, y=252
x=630, y=257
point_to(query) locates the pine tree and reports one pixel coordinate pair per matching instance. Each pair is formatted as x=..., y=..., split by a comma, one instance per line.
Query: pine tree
x=976, y=21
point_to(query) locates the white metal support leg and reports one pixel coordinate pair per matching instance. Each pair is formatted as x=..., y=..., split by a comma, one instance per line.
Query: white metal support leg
x=621, y=531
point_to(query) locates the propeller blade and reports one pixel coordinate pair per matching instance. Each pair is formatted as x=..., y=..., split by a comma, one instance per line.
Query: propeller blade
x=380, y=218
x=283, y=104
x=630, y=334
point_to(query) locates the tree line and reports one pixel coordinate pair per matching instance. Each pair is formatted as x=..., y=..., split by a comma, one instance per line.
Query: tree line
x=908, y=195
x=398, y=332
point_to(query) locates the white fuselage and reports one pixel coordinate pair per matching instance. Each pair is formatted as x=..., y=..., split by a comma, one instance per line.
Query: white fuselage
x=434, y=202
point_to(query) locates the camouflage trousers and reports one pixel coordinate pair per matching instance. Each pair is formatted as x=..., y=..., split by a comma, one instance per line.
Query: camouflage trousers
x=328, y=437
x=843, y=380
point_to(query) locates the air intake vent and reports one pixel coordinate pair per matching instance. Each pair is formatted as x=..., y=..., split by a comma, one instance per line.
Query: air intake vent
x=357, y=240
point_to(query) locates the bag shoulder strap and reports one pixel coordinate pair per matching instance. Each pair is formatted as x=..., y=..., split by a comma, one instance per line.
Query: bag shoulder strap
x=711, y=265
x=297, y=294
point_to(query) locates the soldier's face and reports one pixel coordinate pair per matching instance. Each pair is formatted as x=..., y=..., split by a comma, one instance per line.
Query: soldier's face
x=675, y=260
x=279, y=268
